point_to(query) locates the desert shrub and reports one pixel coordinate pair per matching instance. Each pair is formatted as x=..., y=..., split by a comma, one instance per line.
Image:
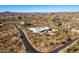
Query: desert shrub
x=0, y=23
x=28, y=24
x=56, y=18
x=72, y=50
x=59, y=23
x=19, y=17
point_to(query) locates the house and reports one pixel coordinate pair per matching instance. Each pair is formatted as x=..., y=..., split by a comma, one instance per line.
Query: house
x=41, y=30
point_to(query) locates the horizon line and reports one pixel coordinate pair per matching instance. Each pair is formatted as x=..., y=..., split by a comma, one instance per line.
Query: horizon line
x=38, y=12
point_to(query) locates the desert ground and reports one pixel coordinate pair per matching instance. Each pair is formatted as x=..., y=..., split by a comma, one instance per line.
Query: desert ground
x=64, y=28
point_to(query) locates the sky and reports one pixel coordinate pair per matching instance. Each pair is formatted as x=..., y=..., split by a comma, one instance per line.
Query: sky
x=39, y=8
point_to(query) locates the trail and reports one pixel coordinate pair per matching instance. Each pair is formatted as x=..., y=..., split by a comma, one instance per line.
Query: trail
x=25, y=41
x=63, y=46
